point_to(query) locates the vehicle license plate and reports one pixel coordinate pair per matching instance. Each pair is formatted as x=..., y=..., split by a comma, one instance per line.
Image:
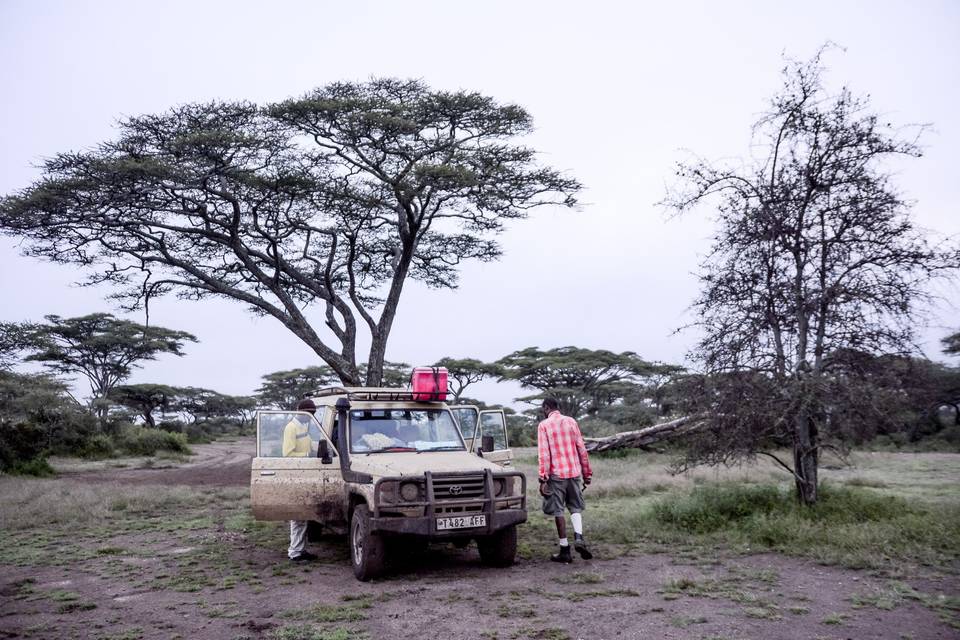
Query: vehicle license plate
x=461, y=522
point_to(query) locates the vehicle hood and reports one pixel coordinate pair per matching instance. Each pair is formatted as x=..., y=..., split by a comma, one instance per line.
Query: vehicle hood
x=415, y=464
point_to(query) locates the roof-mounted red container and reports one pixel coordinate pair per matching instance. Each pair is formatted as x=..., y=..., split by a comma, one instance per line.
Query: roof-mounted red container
x=429, y=384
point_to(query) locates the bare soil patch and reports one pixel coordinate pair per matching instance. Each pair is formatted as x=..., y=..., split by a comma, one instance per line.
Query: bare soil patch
x=219, y=464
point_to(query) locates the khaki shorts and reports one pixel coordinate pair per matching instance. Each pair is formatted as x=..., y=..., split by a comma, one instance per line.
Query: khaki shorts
x=564, y=493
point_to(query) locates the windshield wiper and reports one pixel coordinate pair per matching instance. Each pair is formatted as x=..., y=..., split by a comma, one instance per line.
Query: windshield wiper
x=443, y=448
x=388, y=449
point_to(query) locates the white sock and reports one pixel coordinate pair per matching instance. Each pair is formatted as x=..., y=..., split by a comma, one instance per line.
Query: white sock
x=577, y=520
x=564, y=543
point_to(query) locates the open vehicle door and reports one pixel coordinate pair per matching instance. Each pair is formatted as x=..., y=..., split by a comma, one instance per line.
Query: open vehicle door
x=467, y=416
x=474, y=424
x=294, y=487
x=493, y=423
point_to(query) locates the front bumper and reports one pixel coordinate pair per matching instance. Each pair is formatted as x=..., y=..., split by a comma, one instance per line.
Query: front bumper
x=501, y=512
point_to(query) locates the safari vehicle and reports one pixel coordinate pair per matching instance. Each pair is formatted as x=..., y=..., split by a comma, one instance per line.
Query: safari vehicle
x=388, y=469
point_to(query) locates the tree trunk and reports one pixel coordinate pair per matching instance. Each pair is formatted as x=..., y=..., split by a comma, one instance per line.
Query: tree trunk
x=642, y=438
x=806, y=457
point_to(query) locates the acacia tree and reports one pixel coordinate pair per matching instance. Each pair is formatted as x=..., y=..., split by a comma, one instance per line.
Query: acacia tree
x=951, y=344
x=466, y=371
x=205, y=404
x=333, y=199
x=582, y=380
x=99, y=347
x=395, y=374
x=814, y=253
x=143, y=398
x=13, y=342
x=284, y=389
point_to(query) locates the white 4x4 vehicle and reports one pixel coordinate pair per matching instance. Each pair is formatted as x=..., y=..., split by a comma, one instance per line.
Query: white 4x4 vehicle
x=383, y=465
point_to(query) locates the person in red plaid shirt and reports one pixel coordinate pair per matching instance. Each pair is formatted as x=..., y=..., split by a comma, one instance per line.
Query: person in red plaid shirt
x=563, y=460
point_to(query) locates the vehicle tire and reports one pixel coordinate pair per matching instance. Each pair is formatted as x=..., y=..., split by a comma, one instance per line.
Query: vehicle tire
x=500, y=548
x=367, y=549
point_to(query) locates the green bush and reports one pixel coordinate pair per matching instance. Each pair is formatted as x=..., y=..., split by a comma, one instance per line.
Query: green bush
x=716, y=507
x=98, y=446
x=140, y=441
x=20, y=442
x=852, y=526
x=34, y=467
x=196, y=434
x=737, y=506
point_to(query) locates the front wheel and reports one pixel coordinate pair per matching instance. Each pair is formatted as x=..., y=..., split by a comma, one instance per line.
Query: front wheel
x=367, y=552
x=500, y=548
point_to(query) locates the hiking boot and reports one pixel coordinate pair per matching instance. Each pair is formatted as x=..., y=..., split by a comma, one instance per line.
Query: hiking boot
x=581, y=547
x=564, y=555
x=304, y=556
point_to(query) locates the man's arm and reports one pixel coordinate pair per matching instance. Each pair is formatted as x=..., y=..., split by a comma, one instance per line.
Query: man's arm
x=582, y=452
x=543, y=452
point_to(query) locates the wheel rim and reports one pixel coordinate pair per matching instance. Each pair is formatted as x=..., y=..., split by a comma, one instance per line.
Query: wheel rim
x=356, y=542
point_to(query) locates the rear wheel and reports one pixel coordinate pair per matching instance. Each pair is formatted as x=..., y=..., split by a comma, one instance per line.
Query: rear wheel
x=367, y=549
x=500, y=548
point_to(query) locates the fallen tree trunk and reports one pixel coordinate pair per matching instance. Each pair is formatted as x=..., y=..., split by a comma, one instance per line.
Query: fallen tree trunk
x=643, y=437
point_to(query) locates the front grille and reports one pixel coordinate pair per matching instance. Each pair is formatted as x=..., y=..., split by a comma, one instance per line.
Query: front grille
x=458, y=488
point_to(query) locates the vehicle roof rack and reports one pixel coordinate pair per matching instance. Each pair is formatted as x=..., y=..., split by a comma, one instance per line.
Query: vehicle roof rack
x=368, y=393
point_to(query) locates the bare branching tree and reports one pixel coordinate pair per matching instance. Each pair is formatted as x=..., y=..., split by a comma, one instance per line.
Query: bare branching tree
x=334, y=199
x=814, y=253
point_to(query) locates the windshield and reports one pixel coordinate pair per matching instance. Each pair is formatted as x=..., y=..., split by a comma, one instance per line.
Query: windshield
x=380, y=430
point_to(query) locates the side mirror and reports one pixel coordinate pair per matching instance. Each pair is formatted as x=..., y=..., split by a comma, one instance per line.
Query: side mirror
x=486, y=443
x=323, y=452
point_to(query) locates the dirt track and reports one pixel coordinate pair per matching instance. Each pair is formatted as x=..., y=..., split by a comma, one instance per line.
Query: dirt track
x=221, y=464
x=250, y=591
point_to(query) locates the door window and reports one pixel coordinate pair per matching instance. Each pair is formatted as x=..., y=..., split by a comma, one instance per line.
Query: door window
x=301, y=430
x=491, y=424
x=467, y=419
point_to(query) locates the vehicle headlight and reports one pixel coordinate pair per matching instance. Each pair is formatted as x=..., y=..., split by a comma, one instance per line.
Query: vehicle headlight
x=388, y=492
x=410, y=491
x=499, y=484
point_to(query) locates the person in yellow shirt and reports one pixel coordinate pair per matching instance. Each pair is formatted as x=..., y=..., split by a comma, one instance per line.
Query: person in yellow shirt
x=296, y=435
x=298, y=444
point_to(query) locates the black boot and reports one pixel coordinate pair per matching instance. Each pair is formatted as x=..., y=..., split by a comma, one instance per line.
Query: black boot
x=564, y=555
x=581, y=547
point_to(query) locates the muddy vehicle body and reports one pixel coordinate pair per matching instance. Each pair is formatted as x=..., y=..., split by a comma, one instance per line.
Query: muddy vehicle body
x=388, y=469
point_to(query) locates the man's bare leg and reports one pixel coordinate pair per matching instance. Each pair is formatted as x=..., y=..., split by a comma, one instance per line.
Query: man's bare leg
x=561, y=527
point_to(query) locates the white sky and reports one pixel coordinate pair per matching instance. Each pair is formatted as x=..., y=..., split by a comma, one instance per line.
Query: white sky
x=617, y=91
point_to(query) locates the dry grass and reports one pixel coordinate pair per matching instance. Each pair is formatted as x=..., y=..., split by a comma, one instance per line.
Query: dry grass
x=27, y=503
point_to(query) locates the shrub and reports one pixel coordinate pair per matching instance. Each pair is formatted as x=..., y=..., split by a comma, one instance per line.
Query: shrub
x=711, y=508
x=34, y=467
x=20, y=442
x=98, y=446
x=140, y=441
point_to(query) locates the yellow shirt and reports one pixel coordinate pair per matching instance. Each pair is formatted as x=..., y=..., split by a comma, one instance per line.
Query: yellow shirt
x=296, y=440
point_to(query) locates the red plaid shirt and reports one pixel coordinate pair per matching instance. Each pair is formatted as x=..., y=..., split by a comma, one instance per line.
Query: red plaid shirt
x=560, y=448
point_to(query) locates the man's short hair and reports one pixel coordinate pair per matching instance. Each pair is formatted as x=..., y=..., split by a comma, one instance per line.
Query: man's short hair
x=551, y=404
x=307, y=405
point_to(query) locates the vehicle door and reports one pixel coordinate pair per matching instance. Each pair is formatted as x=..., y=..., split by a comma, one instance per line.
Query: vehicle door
x=468, y=417
x=293, y=487
x=493, y=422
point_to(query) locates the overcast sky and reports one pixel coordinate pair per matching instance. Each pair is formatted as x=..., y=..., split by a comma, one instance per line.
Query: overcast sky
x=619, y=92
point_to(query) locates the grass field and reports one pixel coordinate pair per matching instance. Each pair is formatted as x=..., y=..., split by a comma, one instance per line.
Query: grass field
x=111, y=561
x=875, y=509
